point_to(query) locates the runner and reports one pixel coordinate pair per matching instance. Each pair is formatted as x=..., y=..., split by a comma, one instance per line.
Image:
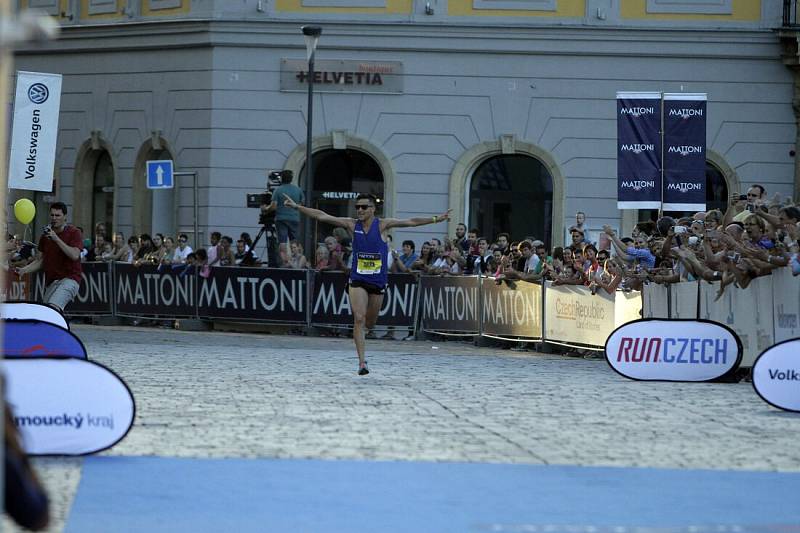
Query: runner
x=368, y=268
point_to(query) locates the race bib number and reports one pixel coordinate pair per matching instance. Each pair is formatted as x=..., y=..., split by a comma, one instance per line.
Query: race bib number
x=368, y=264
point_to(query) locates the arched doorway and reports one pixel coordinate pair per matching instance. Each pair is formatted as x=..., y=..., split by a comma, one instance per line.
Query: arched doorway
x=340, y=176
x=94, y=197
x=512, y=194
x=716, y=188
x=154, y=211
x=103, y=194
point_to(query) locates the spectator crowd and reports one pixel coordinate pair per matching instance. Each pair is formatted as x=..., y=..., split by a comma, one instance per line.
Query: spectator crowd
x=754, y=236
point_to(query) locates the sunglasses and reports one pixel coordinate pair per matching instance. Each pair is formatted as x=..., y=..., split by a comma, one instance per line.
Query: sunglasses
x=363, y=206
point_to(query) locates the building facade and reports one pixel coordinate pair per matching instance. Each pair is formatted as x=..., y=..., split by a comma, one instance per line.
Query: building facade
x=502, y=110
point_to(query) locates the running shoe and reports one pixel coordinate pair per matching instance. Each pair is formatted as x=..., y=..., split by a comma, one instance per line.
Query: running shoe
x=363, y=370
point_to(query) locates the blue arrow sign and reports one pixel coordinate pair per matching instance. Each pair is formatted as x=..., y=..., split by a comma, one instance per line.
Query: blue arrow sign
x=159, y=174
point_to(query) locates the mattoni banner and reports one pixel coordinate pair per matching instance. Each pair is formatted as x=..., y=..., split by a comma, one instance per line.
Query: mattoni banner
x=776, y=375
x=67, y=406
x=34, y=132
x=450, y=304
x=148, y=290
x=673, y=350
x=512, y=309
x=94, y=293
x=273, y=295
x=638, y=150
x=331, y=303
x=684, y=152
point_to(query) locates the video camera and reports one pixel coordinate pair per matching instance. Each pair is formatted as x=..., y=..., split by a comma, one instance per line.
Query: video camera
x=256, y=200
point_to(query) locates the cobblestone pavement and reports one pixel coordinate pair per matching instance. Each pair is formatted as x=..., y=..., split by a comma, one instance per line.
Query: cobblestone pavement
x=215, y=394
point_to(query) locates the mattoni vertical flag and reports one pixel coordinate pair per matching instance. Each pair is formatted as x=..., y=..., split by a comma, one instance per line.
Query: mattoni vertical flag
x=34, y=131
x=685, y=151
x=638, y=150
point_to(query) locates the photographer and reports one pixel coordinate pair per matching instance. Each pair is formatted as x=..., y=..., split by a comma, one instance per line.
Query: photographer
x=60, y=255
x=287, y=220
x=742, y=205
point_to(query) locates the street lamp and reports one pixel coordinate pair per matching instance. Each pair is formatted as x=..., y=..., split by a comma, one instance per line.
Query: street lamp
x=311, y=35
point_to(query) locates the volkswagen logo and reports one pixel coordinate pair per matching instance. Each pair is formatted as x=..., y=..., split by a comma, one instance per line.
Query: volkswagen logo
x=38, y=93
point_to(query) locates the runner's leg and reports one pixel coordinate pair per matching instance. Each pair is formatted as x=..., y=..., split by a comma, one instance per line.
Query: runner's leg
x=373, y=309
x=358, y=304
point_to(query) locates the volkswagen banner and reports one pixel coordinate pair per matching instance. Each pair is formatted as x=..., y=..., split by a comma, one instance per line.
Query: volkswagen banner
x=776, y=375
x=34, y=131
x=673, y=350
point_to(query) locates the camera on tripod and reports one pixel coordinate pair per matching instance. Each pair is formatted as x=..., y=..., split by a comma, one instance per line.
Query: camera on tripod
x=257, y=200
x=275, y=179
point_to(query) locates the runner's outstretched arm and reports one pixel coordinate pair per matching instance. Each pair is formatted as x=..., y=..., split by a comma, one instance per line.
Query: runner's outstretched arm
x=389, y=223
x=320, y=215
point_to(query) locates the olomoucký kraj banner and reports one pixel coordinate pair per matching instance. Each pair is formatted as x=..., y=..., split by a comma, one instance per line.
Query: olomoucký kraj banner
x=776, y=375
x=638, y=150
x=33, y=311
x=673, y=350
x=27, y=338
x=34, y=131
x=67, y=406
x=684, y=152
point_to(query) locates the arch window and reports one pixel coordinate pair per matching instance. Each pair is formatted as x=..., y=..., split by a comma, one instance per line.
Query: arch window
x=716, y=196
x=512, y=194
x=103, y=193
x=339, y=176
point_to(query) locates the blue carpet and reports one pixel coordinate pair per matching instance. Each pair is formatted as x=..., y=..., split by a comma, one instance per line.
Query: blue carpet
x=152, y=494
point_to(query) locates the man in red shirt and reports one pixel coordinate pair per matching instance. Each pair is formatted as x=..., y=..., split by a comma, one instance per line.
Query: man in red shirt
x=60, y=255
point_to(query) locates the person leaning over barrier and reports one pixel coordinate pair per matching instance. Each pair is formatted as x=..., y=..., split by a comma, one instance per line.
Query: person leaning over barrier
x=370, y=262
x=60, y=255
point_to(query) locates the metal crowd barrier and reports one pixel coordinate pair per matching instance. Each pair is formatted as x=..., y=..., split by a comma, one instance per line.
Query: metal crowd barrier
x=765, y=313
x=458, y=305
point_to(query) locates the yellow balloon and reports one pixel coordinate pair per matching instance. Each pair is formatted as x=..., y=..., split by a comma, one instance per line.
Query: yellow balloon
x=24, y=210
